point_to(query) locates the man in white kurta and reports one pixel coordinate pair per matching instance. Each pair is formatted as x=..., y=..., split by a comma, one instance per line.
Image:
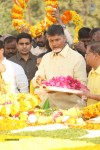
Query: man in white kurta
x=15, y=76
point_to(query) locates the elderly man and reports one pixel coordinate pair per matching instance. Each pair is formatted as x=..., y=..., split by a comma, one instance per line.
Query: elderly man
x=62, y=61
x=93, y=59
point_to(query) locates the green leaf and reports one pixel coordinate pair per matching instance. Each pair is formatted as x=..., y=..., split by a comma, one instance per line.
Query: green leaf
x=46, y=104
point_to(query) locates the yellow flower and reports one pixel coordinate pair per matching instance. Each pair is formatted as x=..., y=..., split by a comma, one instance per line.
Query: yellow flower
x=4, y=111
x=23, y=116
x=14, y=110
x=92, y=111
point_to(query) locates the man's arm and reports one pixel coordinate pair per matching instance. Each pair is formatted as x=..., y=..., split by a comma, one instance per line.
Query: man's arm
x=39, y=75
x=89, y=95
x=80, y=69
x=92, y=96
x=21, y=80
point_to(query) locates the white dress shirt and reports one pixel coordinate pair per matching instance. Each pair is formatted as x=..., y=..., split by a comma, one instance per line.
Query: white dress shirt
x=15, y=76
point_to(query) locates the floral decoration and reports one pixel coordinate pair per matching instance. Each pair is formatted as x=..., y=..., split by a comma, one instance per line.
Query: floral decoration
x=65, y=82
x=15, y=109
x=92, y=111
x=20, y=111
x=89, y=126
x=38, y=29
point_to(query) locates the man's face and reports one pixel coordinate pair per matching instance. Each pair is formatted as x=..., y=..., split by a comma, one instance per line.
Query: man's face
x=24, y=46
x=86, y=41
x=56, y=42
x=96, y=37
x=40, y=40
x=90, y=57
x=10, y=49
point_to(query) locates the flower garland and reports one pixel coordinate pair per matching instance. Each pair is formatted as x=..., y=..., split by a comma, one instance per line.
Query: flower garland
x=77, y=20
x=91, y=111
x=38, y=29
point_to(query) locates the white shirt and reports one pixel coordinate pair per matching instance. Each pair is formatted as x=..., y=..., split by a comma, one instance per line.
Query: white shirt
x=15, y=76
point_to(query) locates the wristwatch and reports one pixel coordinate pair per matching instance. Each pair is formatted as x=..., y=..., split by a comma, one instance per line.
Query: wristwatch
x=64, y=26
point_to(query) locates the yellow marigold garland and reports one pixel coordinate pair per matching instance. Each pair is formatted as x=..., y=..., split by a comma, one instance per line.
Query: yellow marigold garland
x=88, y=126
x=39, y=28
x=91, y=111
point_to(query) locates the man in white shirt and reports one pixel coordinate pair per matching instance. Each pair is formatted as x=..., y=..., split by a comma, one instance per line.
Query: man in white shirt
x=62, y=61
x=13, y=75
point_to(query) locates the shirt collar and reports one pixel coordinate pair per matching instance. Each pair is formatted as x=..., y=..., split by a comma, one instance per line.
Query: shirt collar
x=63, y=53
x=19, y=56
x=96, y=71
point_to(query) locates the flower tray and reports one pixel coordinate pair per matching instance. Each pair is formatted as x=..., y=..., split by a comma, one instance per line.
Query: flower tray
x=59, y=89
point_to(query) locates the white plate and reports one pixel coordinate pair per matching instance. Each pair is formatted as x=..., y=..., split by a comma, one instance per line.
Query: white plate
x=59, y=89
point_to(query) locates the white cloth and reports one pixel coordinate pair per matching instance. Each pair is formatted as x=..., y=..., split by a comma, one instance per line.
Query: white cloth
x=15, y=76
x=38, y=50
x=68, y=37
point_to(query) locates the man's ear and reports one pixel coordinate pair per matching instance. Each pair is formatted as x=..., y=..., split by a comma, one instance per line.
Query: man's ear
x=65, y=39
x=47, y=36
x=2, y=49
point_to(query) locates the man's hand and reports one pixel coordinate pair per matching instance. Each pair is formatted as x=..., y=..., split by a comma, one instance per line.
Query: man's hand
x=56, y=14
x=39, y=80
x=85, y=93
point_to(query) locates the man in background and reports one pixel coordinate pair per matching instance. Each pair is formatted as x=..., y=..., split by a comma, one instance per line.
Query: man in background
x=10, y=46
x=24, y=57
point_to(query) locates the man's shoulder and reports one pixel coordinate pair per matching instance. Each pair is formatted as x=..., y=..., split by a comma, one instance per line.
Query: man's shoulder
x=13, y=58
x=14, y=65
x=47, y=54
x=75, y=53
x=32, y=56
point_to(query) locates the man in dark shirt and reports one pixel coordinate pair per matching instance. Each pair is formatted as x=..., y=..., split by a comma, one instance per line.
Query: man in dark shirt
x=24, y=56
x=10, y=46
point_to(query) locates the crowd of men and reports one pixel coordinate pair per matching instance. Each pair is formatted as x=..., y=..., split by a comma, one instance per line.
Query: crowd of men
x=24, y=60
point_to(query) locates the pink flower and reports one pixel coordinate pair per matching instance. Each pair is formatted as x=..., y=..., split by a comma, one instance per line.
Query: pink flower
x=65, y=82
